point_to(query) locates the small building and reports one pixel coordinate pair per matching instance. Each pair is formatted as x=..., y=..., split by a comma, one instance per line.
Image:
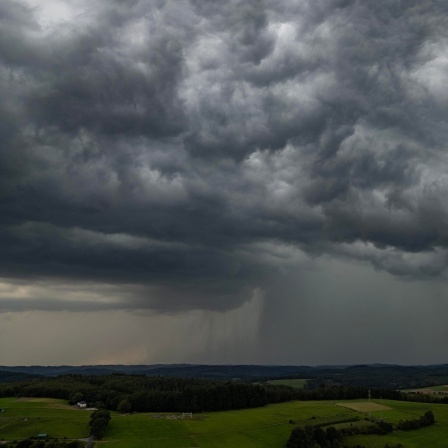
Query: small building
x=42, y=436
x=81, y=404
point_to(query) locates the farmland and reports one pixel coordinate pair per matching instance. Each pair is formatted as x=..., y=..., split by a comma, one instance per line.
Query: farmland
x=24, y=418
x=265, y=427
x=431, y=390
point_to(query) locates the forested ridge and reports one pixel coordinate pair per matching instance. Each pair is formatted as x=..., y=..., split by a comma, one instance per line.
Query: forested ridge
x=369, y=376
x=140, y=393
x=144, y=394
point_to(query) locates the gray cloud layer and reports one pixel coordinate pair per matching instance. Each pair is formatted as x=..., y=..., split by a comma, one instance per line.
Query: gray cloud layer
x=186, y=147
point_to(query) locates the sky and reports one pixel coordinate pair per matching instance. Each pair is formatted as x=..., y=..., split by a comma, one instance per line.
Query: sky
x=240, y=182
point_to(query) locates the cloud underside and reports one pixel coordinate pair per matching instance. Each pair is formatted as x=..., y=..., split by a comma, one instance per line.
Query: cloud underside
x=185, y=153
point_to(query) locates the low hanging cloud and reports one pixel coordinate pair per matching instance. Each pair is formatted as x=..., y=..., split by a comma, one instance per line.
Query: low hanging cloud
x=189, y=152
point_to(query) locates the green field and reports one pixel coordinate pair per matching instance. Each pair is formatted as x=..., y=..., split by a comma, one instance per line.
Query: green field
x=441, y=390
x=297, y=383
x=261, y=427
x=434, y=437
x=24, y=418
x=269, y=427
x=266, y=427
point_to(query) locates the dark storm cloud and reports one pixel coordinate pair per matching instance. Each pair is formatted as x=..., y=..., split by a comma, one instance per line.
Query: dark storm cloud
x=160, y=143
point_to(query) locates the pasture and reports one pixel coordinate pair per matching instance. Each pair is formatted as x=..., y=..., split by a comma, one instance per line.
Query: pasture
x=269, y=427
x=361, y=406
x=23, y=418
x=266, y=427
x=440, y=390
x=434, y=436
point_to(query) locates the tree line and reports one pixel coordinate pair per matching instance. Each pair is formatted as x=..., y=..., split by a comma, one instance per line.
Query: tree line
x=99, y=420
x=318, y=437
x=32, y=443
x=138, y=393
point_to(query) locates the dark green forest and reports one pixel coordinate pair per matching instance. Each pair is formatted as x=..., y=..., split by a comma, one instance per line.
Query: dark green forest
x=140, y=393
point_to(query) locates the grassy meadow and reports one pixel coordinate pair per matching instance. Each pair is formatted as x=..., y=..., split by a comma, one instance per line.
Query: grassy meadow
x=266, y=427
x=26, y=417
x=431, y=390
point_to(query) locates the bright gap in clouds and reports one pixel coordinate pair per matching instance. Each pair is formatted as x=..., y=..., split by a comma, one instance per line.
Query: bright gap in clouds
x=331, y=312
x=52, y=13
x=120, y=337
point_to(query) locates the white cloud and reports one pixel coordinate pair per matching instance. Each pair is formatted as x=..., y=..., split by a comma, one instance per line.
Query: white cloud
x=52, y=14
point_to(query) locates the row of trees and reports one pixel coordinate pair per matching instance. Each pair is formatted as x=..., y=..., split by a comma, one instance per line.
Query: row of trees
x=98, y=423
x=424, y=398
x=425, y=420
x=318, y=437
x=31, y=443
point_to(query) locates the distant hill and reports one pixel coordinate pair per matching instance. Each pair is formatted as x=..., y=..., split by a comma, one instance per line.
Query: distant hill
x=374, y=375
x=183, y=370
x=12, y=376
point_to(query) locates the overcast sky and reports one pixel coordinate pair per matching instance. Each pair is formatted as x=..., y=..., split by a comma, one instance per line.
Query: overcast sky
x=260, y=181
